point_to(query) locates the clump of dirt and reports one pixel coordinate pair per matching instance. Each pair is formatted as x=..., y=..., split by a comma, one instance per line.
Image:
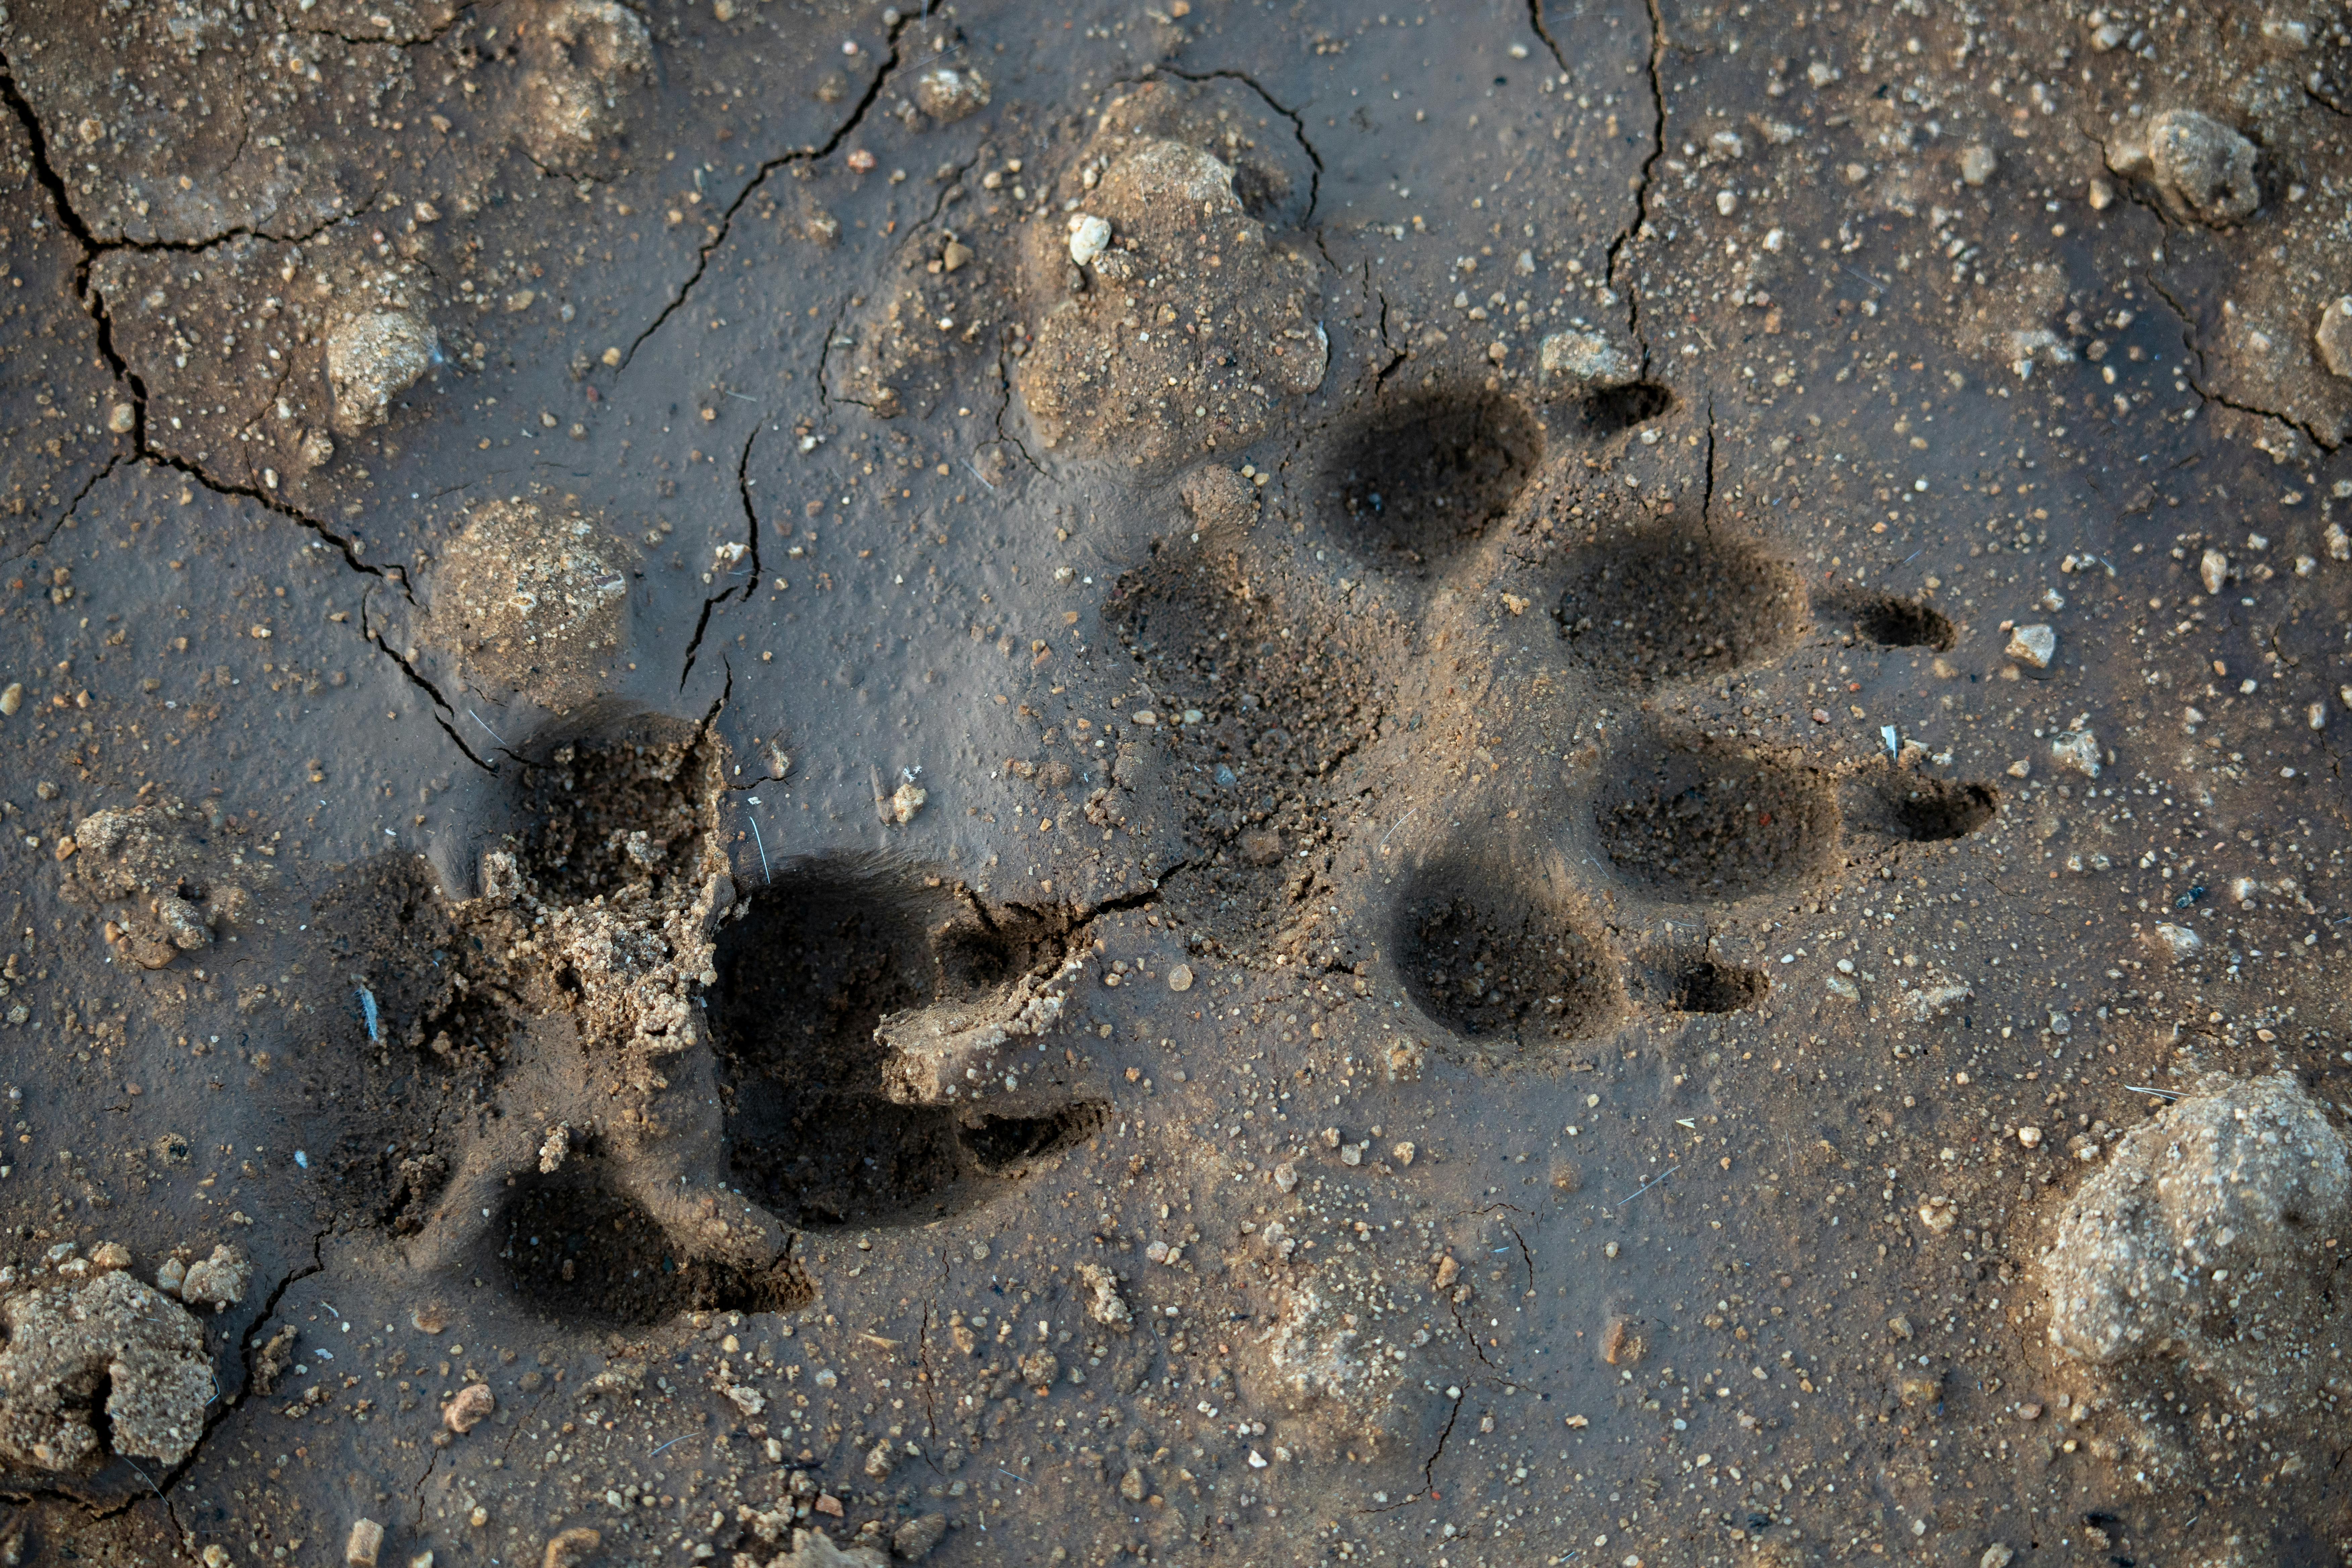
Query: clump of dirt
x=1502, y=969
x=1284, y=691
x=373, y=354
x=1695, y=825
x=1168, y=322
x=97, y=1367
x=154, y=868
x=2203, y=169
x=576, y=1250
x=1274, y=177
x=2015, y=324
x=1667, y=605
x=1418, y=482
x=621, y=877
x=2200, y=1239
x=949, y=93
x=533, y=600
x=582, y=61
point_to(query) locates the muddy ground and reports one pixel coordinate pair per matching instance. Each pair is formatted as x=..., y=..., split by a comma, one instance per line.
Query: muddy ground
x=1190, y=783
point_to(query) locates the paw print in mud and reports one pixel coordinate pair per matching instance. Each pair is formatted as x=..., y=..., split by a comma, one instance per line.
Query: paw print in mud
x=1498, y=721
x=665, y=1085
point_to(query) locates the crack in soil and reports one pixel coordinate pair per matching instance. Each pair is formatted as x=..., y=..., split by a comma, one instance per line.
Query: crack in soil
x=1707, y=497
x=1297, y=129
x=1005, y=406
x=73, y=506
x=1429, y=1466
x=1535, y=20
x=442, y=711
x=94, y=304
x=253, y=1339
x=1526, y=1255
x=752, y=546
x=417, y=1491
x=727, y=219
x=2198, y=377
x=1642, y=192
x=947, y=188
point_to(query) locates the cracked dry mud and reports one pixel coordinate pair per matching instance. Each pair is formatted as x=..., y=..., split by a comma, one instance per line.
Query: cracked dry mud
x=794, y=784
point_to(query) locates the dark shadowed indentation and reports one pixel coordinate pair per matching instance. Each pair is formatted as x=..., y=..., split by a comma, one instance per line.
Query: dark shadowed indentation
x=1417, y=482
x=1674, y=606
x=1924, y=810
x=1004, y=1142
x=818, y=960
x=1620, y=408
x=577, y=1250
x=1711, y=987
x=1513, y=976
x=1892, y=622
x=1689, y=826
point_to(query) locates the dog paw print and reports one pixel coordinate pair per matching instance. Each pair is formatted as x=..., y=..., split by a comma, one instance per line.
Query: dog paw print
x=650, y=1089
x=1516, y=841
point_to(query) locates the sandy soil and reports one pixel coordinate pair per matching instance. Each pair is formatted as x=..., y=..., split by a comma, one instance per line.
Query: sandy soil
x=790, y=784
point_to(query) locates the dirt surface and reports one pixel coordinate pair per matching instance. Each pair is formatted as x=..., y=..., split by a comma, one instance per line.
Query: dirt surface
x=791, y=784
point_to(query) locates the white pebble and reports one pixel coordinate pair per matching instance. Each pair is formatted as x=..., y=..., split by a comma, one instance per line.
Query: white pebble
x=1089, y=236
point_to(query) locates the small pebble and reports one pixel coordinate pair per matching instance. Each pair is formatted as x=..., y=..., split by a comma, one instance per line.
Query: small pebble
x=572, y=1548
x=472, y=1407
x=2213, y=570
x=2035, y=645
x=1089, y=237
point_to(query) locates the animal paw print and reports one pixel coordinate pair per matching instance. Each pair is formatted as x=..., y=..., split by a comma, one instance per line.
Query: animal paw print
x=1346, y=745
x=669, y=1086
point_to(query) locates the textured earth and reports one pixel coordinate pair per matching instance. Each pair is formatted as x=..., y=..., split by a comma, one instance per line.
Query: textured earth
x=790, y=784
